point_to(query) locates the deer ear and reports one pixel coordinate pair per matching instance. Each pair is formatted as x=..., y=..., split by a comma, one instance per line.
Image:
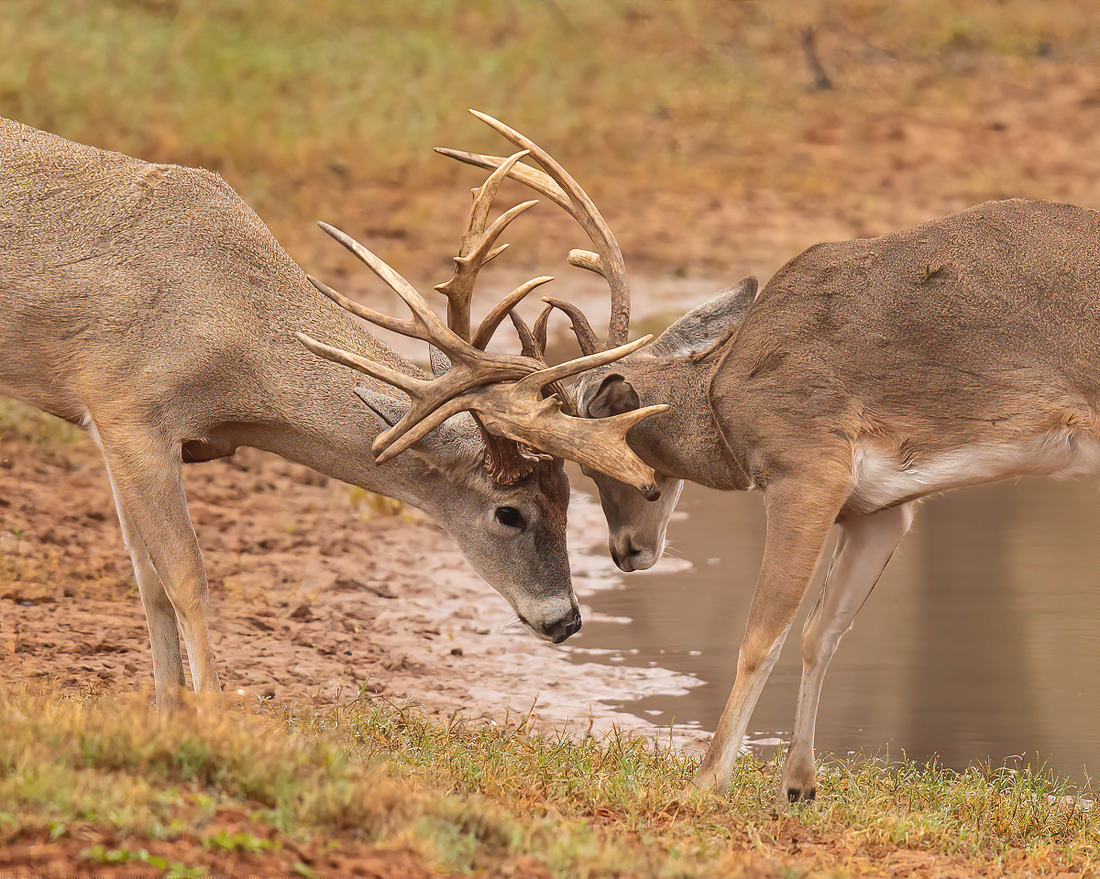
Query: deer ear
x=614, y=396
x=440, y=361
x=707, y=324
x=389, y=409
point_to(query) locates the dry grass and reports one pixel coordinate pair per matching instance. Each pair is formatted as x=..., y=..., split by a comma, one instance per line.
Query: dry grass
x=692, y=123
x=319, y=790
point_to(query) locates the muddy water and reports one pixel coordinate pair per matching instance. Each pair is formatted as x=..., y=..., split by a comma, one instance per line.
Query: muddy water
x=980, y=642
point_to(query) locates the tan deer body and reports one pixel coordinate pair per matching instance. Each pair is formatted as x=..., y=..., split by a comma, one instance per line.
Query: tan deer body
x=150, y=305
x=866, y=375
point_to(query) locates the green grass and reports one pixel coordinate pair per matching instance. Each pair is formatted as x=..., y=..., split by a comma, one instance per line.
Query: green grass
x=217, y=782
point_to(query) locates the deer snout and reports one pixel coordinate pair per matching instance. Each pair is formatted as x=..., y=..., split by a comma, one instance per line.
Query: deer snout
x=631, y=557
x=562, y=629
x=559, y=629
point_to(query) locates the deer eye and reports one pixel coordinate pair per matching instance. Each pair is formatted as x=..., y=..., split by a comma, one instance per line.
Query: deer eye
x=509, y=517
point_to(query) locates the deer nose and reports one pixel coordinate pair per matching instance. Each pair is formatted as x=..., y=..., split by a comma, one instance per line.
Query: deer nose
x=625, y=557
x=562, y=629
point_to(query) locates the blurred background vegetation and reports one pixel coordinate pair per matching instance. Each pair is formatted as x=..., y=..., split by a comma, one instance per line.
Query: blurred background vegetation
x=718, y=136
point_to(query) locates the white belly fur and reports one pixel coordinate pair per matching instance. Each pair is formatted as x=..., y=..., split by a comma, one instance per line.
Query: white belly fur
x=879, y=480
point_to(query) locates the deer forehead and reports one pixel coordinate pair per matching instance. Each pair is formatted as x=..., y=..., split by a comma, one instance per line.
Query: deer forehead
x=881, y=479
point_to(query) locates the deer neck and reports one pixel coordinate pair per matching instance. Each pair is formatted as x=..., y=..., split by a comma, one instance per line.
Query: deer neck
x=685, y=441
x=305, y=409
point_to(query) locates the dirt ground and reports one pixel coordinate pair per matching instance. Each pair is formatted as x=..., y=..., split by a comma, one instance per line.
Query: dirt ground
x=317, y=592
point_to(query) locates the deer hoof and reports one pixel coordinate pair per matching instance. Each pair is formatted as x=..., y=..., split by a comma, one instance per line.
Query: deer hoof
x=789, y=794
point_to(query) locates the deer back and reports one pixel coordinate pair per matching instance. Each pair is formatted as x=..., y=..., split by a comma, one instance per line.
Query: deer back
x=977, y=328
x=156, y=283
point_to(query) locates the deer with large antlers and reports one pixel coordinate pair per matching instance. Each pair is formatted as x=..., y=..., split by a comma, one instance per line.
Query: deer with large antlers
x=865, y=376
x=149, y=305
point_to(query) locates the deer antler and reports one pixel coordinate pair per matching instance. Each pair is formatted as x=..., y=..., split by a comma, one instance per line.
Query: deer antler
x=477, y=248
x=515, y=410
x=504, y=392
x=557, y=185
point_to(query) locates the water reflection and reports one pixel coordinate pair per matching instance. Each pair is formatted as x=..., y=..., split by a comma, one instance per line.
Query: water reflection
x=981, y=641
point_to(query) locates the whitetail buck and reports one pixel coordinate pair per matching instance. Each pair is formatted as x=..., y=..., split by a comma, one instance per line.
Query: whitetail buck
x=865, y=376
x=149, y=304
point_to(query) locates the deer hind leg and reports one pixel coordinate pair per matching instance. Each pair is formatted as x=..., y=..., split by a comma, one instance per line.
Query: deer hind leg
x=866, y=544
x=800, y=516
x=147, y=481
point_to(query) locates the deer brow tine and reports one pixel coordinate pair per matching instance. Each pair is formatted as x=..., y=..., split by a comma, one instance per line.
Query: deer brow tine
x=398, y=284
x=407, y=383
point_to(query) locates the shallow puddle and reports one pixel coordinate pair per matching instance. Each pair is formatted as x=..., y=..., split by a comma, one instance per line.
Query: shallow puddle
x=981, y=641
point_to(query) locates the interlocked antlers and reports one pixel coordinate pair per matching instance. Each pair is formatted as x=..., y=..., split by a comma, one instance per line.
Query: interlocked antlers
x=504, y=392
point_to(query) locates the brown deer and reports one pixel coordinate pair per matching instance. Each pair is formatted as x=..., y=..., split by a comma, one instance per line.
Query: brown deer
x=865, y=376
x=148, y=304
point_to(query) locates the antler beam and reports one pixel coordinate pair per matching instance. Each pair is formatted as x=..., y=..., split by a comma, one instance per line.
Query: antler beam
x=560, y=187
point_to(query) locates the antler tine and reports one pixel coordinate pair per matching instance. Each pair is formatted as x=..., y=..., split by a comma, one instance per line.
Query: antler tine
x=586, y=338
x=530, y=344
x=425, y=324
x=477, y=247
x=493, y=318
x=533, y=344
x=417, y=428
x=407, y=383
x=404, y=327
x=538, y=329
x=609, y=259
x=537, y=180
x=559, y=371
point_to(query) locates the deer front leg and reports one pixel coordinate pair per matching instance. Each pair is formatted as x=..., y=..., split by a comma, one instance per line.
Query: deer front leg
x=146, y=479
x=799, y=516
x=866, y=544
x=160, y=618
